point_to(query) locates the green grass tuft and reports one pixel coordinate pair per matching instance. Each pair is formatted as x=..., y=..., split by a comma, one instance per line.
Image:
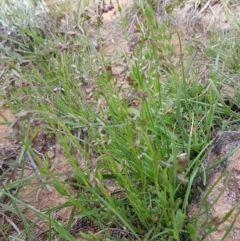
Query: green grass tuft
x=132, y=139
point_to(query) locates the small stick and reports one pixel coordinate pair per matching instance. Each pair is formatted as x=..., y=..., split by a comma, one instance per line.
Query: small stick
x=36, y=170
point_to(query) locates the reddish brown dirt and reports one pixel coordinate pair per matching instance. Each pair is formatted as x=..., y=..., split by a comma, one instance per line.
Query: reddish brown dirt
x=33, y=192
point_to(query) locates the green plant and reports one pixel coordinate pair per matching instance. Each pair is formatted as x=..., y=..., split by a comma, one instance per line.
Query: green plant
x=142, y=146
